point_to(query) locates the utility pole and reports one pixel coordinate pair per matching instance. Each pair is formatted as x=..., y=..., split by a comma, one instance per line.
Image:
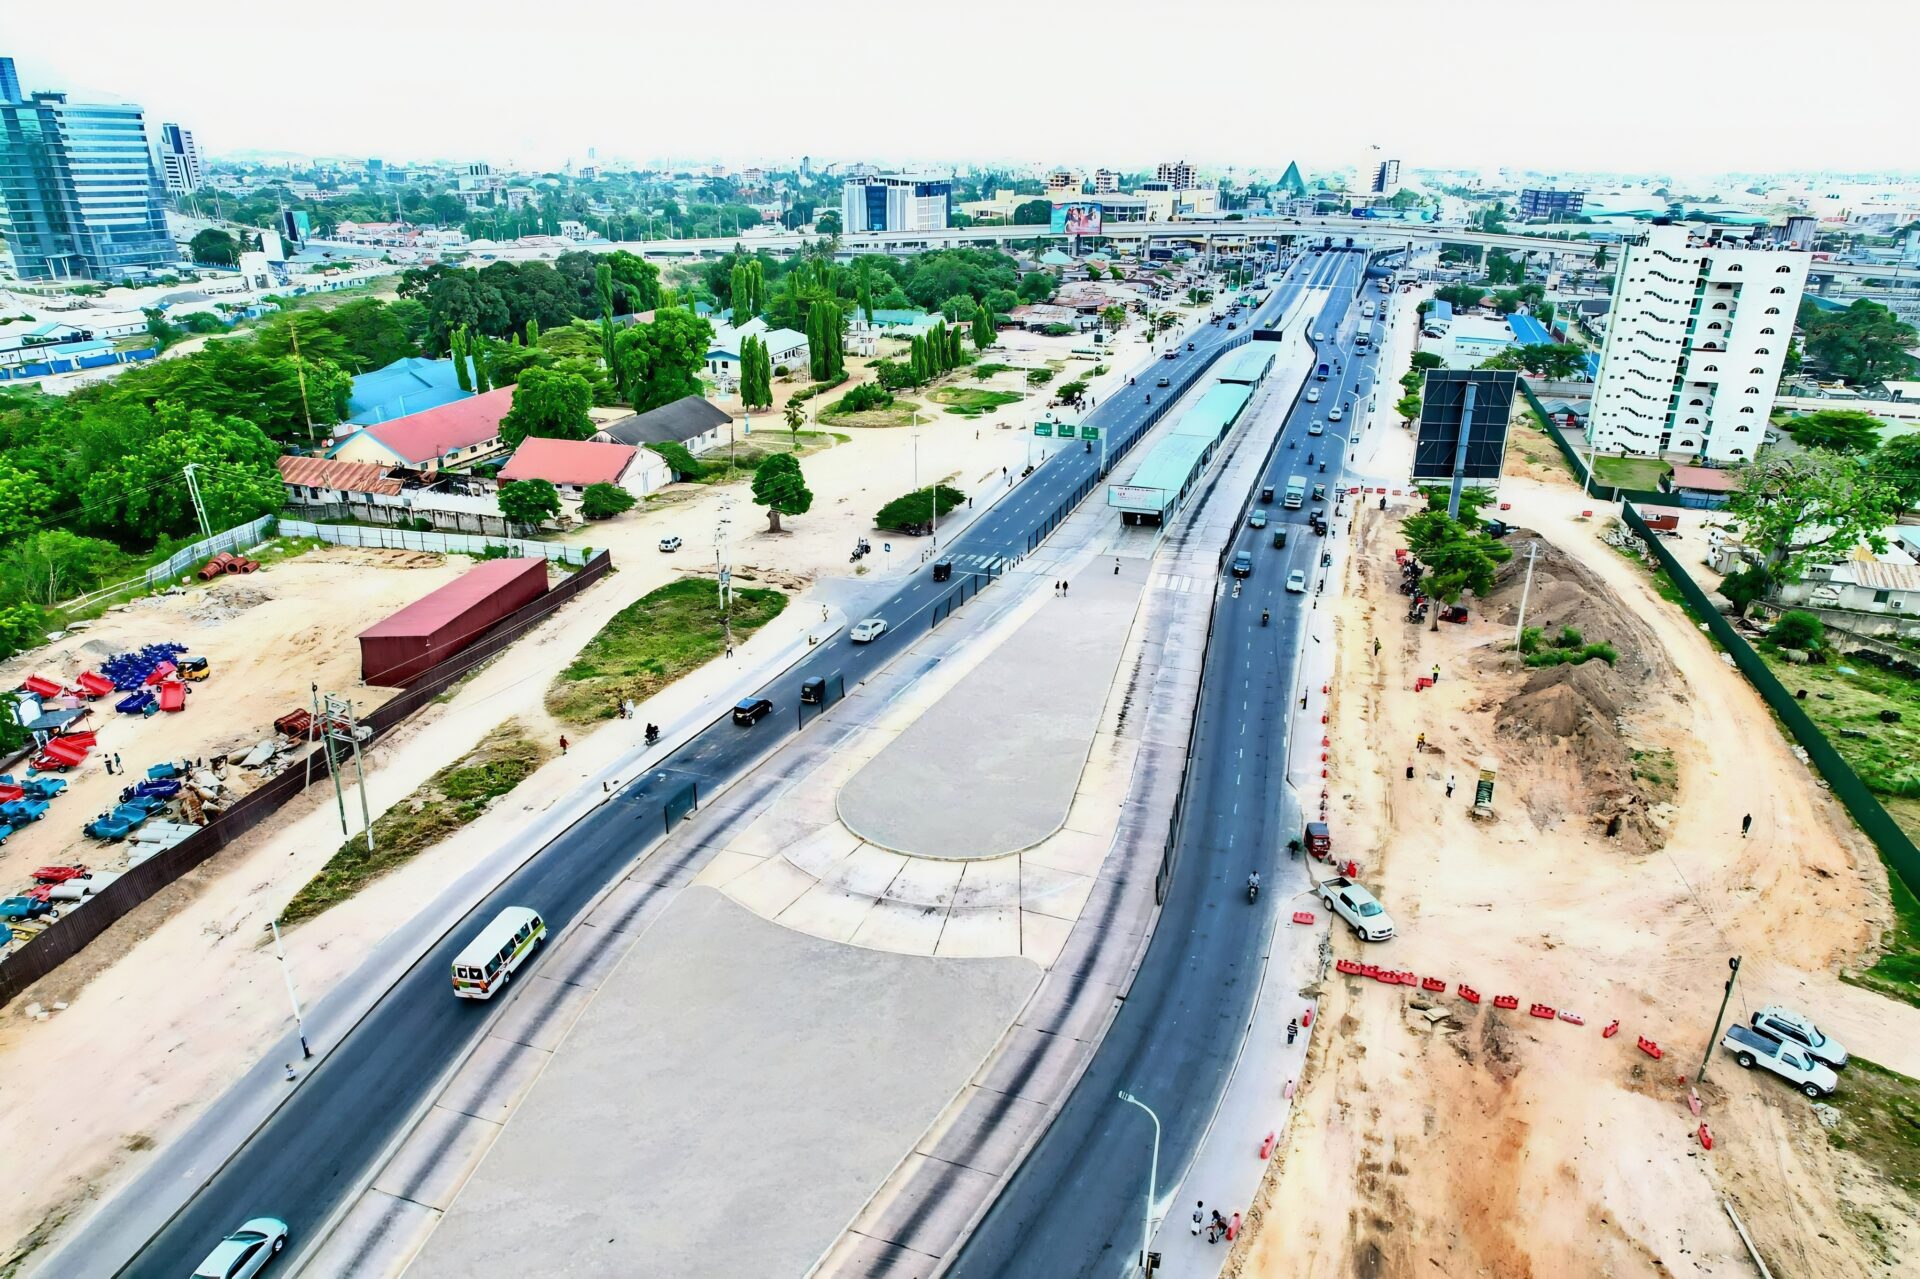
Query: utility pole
x=326, y=743
x=193, y=493
x=1733, y=974
x=1153, y=1177
x=723, y=568
x=340, y=725
x=1533, y=551
x=286, y=971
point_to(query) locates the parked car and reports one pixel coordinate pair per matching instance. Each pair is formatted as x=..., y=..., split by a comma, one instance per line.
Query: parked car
x=1360, y=908
x=751, y=710
x=1752, y=1048
x=1257, y=520
x=1297, y=582
x=669, y=544
x=1243, y=564
x=1790, y=1027
x=245, y=1252
x=868, y=631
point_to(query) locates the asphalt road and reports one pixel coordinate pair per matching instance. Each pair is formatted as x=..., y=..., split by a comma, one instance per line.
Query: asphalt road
x=1076, y=1206
x=322, y=1143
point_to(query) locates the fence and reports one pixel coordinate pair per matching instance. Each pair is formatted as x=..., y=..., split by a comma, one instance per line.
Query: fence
x=237, y=538
x=81, y=924
x=1896, y=848
x=400, y=539
x=439, y=518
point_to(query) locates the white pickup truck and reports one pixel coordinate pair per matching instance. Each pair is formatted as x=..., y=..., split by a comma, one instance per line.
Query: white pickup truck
x=1360, y=908
x=1752, y=1048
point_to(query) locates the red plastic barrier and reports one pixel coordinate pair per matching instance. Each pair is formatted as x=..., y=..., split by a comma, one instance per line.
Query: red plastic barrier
x=1506, y=506
x=1469, y=994
x=1351, y=870
x=1306, y=1017
x=1650, y=1048
x=1266, y=1147
x=1423, y=683
x=1586, y=515
x=1303, y=917
x=1349, y=966
x=1433, y=983
x=1613, y=1028
x=1542, y=1011
x=1706, y=1137
x=1693, y=1102
x=1506, y=1001
x=1574, y=1019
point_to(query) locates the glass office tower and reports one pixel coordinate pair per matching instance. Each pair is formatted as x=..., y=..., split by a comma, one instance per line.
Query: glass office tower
x=82, y=199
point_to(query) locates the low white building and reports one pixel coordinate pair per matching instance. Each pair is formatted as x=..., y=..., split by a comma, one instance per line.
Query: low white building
x=1859, y=586
x=785, y=348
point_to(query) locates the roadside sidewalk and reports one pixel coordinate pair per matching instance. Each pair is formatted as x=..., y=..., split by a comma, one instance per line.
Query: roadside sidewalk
x=574, y=780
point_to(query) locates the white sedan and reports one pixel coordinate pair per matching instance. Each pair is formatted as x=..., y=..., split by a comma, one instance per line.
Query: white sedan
x=1333, y=415
x=868, y=631
x=243, y=1254
x=1297, y=582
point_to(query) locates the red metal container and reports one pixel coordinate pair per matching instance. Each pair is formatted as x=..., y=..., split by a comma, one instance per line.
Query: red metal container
x=434, y=628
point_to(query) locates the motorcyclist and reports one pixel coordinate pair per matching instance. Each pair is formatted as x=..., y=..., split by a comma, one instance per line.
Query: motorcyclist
x=1253, y=884
x=1263, y=617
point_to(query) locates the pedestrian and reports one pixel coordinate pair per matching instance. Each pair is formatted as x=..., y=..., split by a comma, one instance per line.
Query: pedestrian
x=118, y=767
x=1449, y=785
x=1116, y=568
x=823, y=612
x=1064, y=586
x=1217, y=1227
x=1746, y=824
x=1409, y=770
x=1056, y=588
x=563, y=743
x=1293, y=1028
x=1376, y=646
x=1199, y=1216
x=1436, y=672
x=1420, y=743
x=290, y=1074
x=108, y=761
x=729, y=650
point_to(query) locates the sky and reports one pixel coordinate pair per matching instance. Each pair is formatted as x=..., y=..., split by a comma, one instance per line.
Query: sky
x=1621, y=85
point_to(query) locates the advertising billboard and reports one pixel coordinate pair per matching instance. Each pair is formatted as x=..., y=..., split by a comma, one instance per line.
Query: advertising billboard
x=1081, y=217
x=1445, y=406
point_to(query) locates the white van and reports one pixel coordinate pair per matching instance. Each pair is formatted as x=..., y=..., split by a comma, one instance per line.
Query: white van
x=488, y=961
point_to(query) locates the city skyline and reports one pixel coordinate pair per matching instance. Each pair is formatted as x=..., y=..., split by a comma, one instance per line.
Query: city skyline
x=1581, y=98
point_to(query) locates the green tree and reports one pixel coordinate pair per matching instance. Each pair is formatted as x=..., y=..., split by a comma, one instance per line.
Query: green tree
x=1897, y=463
x=660, y=362
x=1864, y=344
x=779, y=486
x=1836, y=430
x=25, y=499
x=983, y=335
x=1458, y=557
x=796, y=418
x=604, y=501
x=1743, y=586
x=1037, y=286
x=913, y=511
x=1424, y=360
x=481, y=350
x=1113, y=317
x=1811, y=508
x=53, y=565
x=1408, y=407
x=528, y=502
x=756, y=374
x=21, y=627
x=550, y=405
x=215, y=247
x=144, y=494
x=1462, y=297
x=828, y=223
x=1033, y=213
x=457, y=349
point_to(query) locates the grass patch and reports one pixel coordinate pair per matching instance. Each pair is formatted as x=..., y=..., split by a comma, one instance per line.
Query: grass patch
x=1880, y=1121
x=1630, y=472
x=987, y=370
x=652, y=642
x=1658, y=772
x=444, y=803
x=899, y=413
x=967, y=401
x=739, y=461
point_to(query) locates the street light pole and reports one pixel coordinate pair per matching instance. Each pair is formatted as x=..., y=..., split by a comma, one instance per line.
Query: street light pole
x=299, y=1023
x=1733, y=973
x=1153, y=1178
x=1519, y=627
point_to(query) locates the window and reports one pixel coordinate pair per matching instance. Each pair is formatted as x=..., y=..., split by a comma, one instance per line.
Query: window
x=1747, y=409
x=1753, y=390
x=1881, y=597
x=1719, y=306
x=1782, y=270
x=1776, y=289
x=1761, y=372
x=1772, y=310
x=1712, y=368
x=1766, y=332
x=1693, y=421
x=1696, y=403
x=1742, y=427
x=1733, y=266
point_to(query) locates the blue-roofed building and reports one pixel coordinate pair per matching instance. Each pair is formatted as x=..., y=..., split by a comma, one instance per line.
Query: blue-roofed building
x=1439, y=319
x=402, y=388
x=1528, y=331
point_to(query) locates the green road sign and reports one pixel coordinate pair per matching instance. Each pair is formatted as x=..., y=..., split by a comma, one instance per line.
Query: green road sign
x=1089, y=432
x=1043, y=429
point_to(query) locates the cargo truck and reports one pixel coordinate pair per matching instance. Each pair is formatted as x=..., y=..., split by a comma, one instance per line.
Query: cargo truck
x=1296, y=492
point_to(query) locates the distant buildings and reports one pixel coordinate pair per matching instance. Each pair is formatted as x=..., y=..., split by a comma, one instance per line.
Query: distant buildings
x=1105, y=182
x=1697, y=335
x=1177, y=174
x=179, y=160
x=896, y=202
x=1064, y=181
x=1545, y=202
x=1375, y=175
x=82, y=198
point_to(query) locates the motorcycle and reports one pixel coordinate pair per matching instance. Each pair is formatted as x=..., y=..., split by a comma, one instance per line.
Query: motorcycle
x=653, y=734
x=1253, y=891
x=1263, y=617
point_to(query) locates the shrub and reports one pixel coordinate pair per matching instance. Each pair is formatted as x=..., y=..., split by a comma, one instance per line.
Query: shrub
x=1800, y=629
x=1568, y=638
x=604, y=501
x=1039, y=377
x=684, y=464
x=1057, y=330
x=865, y=396
x=911, y=511
x=1530, y=639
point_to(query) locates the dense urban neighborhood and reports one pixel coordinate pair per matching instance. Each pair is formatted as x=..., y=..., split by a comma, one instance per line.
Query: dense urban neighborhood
x=635, y=700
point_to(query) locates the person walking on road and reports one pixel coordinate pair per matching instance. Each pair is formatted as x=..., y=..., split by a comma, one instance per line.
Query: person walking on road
x=1376, y=646
x=563, y=743
x=1199, y=1216
x=1116, y=568
x=1449, y=785
x=1746, y=824
x=1436, y=672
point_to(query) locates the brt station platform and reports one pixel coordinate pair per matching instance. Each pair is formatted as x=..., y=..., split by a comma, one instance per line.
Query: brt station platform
x=1160, y=484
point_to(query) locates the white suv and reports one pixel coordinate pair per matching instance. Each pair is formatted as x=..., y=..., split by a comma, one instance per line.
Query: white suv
x=669, y=544
x=1791, y=1028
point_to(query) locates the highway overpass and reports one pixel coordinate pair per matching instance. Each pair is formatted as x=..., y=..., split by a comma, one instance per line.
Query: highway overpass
x=1200, y=231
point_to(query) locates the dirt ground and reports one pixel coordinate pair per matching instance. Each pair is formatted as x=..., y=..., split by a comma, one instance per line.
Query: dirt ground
x=1489, y=1142
x=267, y=636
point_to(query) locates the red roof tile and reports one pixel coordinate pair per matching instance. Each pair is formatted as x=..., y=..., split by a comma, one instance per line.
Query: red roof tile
x=568, y=461
x=327, y=473
x=421, y=437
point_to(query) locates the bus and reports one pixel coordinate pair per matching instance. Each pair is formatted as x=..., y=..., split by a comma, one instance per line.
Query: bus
x=502, y=946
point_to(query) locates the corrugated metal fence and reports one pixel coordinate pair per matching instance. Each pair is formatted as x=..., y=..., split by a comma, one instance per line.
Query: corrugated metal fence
x=80, y=925
x=1896, y=847
x=401, y=539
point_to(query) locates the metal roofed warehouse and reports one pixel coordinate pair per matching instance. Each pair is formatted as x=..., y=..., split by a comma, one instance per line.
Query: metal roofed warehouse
x=1168, y=473
x=1250, y=365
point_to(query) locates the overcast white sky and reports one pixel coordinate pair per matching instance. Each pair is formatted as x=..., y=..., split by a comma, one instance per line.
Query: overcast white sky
x=1625, y=85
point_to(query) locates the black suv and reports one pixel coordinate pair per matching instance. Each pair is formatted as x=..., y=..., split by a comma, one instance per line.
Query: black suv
x=751, y=710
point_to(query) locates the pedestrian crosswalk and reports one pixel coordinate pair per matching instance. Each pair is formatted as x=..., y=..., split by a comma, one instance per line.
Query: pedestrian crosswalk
x=975, y=562
x=1177, y=583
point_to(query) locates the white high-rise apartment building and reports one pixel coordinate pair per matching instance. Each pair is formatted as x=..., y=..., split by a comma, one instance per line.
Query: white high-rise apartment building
x=179, y=160
x=1695, y=342
x=1064, y=181
x=1375, y=174
x=896, y=202
x=1106, y=182
x=1177, y=174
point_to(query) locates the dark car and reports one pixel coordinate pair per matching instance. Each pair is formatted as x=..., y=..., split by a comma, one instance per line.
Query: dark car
x=751, y=710
x=1243, y=564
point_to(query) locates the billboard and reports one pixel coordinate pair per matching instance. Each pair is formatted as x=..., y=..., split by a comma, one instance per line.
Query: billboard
x=1444, y=405
x=1080, y=217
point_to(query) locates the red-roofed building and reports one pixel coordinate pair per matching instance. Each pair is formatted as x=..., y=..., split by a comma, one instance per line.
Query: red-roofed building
x=571, y=465
x=454, y=434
